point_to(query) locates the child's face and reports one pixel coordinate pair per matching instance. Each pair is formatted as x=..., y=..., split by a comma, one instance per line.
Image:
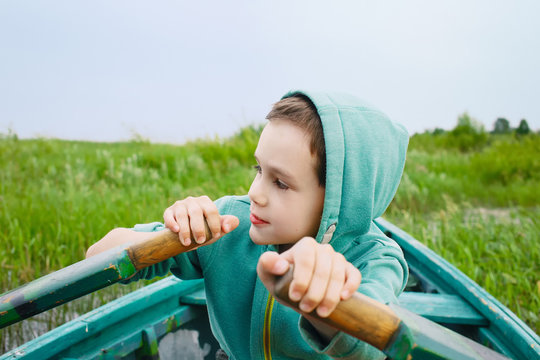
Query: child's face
x=286, y=199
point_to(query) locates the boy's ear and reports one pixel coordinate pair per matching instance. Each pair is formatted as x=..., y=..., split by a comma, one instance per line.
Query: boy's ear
x=229, y=223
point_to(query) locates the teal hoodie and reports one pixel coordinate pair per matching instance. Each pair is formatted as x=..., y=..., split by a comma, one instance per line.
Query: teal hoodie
x=365, y=156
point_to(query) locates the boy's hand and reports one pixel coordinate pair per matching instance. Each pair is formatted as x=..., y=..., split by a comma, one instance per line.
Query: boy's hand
x=189, y=214
x=322, y=277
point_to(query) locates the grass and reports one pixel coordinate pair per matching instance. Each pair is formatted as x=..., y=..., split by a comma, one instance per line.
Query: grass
x=476, y=206
x=58, y=197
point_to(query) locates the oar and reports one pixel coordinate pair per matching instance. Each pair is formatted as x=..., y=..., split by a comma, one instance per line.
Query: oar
x=89, y=275
x=397, y=332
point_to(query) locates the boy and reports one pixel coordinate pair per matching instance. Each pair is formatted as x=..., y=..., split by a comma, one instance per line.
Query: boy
x=327, y=165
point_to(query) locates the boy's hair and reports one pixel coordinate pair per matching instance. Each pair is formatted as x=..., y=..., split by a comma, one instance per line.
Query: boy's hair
x=300, y=111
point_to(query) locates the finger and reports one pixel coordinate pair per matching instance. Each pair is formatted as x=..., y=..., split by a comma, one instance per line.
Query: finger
x=196, y=220
x=335, y=286
x=303, y=256
x=229, y=223
x=269, y=265
x=211, y=214
x=319, y=281
x=168, y=219
x=353, y=278
x=181, y=218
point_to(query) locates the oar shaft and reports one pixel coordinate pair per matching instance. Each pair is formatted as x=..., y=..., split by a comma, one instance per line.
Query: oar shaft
x=162, y=246
x=399, y=334
x=65, y=285
x=359, y=316
x=89, y=275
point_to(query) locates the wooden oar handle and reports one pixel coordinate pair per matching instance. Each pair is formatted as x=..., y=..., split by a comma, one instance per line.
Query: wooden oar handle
x=359, y=316
x=162, y=246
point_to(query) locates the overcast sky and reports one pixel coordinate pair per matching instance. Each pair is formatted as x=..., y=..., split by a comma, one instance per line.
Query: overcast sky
x=177, y=70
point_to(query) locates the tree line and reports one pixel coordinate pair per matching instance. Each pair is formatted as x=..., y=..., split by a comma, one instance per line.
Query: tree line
x=468, y=124
x=469, y=134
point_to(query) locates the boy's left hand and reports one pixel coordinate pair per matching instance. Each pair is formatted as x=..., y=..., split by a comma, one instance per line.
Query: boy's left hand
x=322, y=277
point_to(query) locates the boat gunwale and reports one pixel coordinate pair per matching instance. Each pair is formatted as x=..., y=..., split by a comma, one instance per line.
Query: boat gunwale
x=58, y=341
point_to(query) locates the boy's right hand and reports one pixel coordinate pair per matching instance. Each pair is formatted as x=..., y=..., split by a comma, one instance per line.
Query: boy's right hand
x=188, y=215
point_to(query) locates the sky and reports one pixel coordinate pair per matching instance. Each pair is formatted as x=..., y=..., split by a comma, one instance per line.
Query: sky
x=171, y=71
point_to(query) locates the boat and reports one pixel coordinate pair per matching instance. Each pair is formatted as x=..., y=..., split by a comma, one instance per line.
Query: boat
x=442, y=314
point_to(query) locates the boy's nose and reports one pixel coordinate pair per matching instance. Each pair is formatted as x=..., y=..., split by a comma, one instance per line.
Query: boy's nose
x=256, y=195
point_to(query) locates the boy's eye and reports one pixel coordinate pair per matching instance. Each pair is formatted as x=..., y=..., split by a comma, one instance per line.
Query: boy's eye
x=281, y=185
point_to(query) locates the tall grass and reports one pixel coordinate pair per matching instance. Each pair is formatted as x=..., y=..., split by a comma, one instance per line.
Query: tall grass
x=477, y=206
x=58, y=197
x=504, y=173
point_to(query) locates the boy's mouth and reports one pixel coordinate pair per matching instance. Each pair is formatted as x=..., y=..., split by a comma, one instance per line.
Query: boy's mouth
x=256, y=220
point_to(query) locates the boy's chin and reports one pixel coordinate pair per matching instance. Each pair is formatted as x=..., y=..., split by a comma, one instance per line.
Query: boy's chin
x=261, y=237
x=258, y=236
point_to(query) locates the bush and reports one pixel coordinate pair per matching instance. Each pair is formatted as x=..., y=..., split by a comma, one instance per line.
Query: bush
x=501, y=126
x=523, y=128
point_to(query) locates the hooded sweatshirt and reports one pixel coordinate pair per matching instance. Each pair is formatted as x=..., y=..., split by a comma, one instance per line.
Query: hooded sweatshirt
x=365, y=156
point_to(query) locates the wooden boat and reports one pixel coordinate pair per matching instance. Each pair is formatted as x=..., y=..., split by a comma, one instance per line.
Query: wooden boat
x=442, y=314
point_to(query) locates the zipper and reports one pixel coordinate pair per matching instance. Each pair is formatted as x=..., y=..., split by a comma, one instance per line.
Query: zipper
x=266, y=329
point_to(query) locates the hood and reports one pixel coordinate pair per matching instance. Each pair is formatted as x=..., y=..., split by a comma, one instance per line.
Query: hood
x=365, y=156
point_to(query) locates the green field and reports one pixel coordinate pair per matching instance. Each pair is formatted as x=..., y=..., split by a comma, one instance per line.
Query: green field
x=477, y=206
